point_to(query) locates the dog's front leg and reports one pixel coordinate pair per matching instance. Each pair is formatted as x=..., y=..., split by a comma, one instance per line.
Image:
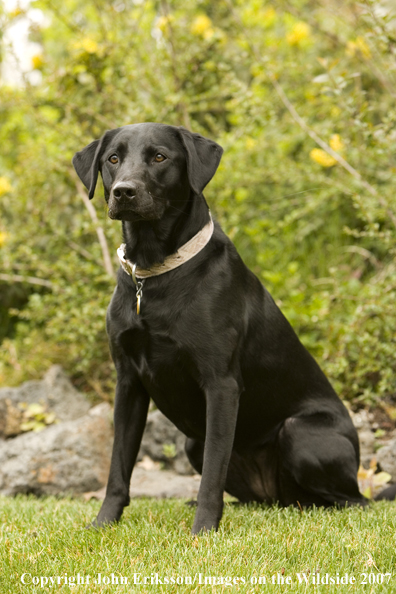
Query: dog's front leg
x=222, y=399
x=130, y=414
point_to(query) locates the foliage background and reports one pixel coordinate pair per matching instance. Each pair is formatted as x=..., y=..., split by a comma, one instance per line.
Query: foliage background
x=301, y=95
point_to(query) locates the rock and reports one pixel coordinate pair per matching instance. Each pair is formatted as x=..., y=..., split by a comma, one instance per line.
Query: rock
x=66, y=458
x=10, y=418
x=161, y=484
x=361, y=420
x=163, y=442
x=73, y=456
x=386, y=457
x=55, y=392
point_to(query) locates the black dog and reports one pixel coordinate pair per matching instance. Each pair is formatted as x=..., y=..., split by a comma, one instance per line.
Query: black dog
x=208, y=345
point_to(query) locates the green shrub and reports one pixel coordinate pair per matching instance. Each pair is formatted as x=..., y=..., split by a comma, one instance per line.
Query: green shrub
x=280, y=86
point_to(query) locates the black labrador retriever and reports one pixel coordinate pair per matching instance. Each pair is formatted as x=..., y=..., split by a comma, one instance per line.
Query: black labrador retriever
x=204, y=339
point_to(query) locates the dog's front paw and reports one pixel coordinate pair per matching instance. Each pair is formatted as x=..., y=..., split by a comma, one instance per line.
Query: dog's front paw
x=204, y=523
x=199, y=528
x=96, y=524
x=110, y=513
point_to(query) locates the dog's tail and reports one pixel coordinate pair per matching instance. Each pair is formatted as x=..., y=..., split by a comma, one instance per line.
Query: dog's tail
x=388, y=494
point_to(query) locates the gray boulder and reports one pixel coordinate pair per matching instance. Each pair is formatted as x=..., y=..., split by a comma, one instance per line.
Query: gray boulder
x=160, y=484
x=386, y=457
x=66, y=458
x=54, y=391
x=163, y=442
x=163, y=484
x=362, y=423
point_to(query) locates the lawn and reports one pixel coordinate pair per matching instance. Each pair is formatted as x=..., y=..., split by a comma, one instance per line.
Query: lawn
x=45, y=538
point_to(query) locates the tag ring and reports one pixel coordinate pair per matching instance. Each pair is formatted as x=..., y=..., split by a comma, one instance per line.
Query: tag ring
x=139, y=289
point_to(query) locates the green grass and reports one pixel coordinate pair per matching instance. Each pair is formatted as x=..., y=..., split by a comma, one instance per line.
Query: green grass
x=46, y=537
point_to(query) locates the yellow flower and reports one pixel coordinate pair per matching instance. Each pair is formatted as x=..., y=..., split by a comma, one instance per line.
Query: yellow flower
x=363, y=47
x=336, y=143
x=269, y=16
x=5, y=185
x=89, y=45
x=255, y=13
x=350, y=48
x=16, y=12
x=359, y=46
x=202, y=26
x=3, y=237
x=300, y=32
x=163, y=22
x=37, y=61
x=320, y=156
x=250, y=142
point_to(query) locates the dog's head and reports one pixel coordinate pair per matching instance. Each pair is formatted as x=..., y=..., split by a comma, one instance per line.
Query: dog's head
x=147, y=167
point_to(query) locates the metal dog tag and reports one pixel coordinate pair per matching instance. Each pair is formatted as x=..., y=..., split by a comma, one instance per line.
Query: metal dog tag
x=139, y=289
x=139, y=295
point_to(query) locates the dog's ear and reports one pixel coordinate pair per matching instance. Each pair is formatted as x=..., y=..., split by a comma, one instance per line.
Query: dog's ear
x=203, y=158
x=86, y=161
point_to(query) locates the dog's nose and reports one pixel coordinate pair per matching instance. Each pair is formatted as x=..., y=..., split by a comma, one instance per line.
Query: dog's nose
x=124, y=191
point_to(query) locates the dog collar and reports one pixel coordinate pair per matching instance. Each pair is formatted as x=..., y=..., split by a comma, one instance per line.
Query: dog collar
x=183, y=255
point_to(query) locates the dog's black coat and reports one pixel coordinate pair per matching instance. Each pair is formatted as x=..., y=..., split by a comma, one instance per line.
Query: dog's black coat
x=210, y=346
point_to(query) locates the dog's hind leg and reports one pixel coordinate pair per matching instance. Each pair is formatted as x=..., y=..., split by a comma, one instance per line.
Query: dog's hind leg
x=250, y=477
x=318, y=462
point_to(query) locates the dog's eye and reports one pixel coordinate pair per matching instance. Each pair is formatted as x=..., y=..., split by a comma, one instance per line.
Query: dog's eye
x=113, y=159
x=159, y=158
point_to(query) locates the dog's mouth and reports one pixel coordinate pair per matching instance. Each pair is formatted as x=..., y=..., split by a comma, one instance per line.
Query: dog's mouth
x=124, y=215
x=130, y=215
x=139, y=207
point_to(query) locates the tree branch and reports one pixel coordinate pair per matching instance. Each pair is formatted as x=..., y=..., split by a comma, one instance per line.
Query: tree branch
x=107, y=263
x=32, y=280
x=174, y=66
x=81, y=250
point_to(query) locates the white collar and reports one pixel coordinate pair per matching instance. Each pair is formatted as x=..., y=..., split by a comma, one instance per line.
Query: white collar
x=183, y=254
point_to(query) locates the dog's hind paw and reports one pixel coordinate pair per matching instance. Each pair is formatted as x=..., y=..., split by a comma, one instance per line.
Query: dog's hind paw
x=388, y=494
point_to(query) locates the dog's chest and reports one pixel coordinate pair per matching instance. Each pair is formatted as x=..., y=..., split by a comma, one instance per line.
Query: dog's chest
x=152, y=351
x=169, y=375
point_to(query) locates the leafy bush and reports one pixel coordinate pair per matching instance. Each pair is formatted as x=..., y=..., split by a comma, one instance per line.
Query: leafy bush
x=301, y=96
